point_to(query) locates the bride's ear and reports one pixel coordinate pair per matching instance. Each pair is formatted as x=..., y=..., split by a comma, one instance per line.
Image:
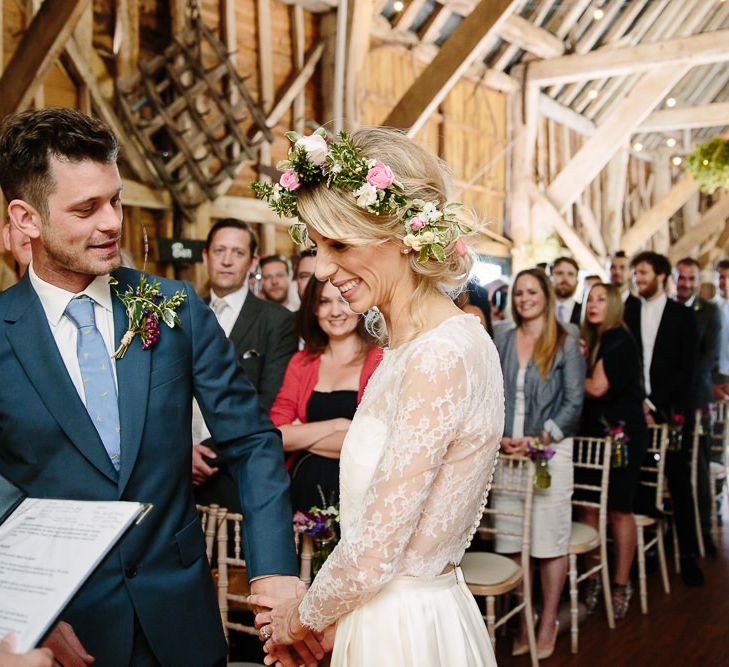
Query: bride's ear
x=24, y=217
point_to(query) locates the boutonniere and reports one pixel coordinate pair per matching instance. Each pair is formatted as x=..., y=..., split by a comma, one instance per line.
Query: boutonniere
x=146, y=306
x=697, y=305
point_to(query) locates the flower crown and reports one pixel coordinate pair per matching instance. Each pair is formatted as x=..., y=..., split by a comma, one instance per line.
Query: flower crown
x=429, y=226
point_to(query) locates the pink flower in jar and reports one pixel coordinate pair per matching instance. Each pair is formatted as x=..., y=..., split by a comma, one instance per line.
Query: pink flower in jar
x=380, y=176
x=290, y=180
x=415, y=224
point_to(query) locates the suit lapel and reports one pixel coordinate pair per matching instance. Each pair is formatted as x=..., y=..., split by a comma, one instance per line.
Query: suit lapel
x=247, y=316
x=132, y=373
x=35, y=348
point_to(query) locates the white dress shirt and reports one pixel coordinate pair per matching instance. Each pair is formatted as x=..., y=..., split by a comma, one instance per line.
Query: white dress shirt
x=625, y=294
x=234, y=301
x=565, y=308
x=54, y=301
x=724, y=344
x=651, y=312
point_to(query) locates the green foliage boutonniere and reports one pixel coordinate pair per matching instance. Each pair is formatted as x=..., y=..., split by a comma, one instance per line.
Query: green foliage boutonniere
x=146, y=306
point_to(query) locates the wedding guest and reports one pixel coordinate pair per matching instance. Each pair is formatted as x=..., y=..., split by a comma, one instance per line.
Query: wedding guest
x=463, y=303
x=706, y=374
x=322, y=387
x=19, y=246
x=613, y=399
x=543, y=377
x=722, y=386
x=276, y=281
x=564, y=273
x=478, y=298
x=620, y=276
x=667, y=337
x=304, y=266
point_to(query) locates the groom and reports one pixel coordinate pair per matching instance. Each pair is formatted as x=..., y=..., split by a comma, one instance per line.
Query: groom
x=151, y=601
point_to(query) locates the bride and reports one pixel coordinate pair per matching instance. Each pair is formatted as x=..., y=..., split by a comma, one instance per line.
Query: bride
x=419, y=455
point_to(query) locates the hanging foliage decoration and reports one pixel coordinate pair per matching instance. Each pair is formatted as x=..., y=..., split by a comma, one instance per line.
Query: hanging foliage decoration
x=709, y=165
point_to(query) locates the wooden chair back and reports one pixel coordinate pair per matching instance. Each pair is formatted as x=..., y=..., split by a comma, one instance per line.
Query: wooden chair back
x=653, y=466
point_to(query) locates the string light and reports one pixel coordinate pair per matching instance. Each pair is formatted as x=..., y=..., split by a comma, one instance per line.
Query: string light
x=637, y=146
x=670, y=142
x=671, y=102
x=398, y=6
x=677, y=160
x=592, y=94
x=598, y=14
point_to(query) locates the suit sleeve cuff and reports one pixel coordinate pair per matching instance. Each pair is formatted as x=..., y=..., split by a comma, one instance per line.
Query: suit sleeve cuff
x=555, y=432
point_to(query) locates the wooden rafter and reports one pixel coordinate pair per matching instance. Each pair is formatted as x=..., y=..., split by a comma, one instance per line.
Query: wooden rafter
x=39, y=48
x=705, y=115
x=455, y=56
x=609, y=62
x=712, y=221
x=614, y=132
x=525, y=35
x=655, y=217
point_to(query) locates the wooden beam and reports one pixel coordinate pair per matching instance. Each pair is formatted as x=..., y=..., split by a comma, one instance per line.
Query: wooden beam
x=650, y=222
x=75, y=63
x=39, y=48
x=249, y=209
x=582, y=254
x=358, y=46
x=711, y=222
x=126, y=38
x=455, y=56
x=603, y=63
x=705, y=115
x=565, y=115
x=530, y=37
x=135, y=193
x=612, y=133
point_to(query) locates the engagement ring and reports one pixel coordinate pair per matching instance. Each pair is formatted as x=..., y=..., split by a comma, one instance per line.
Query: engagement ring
x=266, y=632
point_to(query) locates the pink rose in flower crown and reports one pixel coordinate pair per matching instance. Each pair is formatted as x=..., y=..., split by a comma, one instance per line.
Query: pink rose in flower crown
x=416, y=224
x=380, y=176
x=290, y=180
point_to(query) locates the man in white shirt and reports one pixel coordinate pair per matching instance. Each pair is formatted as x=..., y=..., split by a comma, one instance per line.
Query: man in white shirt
x=119, y=429
x=667, y=336
x=620, y=275
x=722, y=270
x=564, y=273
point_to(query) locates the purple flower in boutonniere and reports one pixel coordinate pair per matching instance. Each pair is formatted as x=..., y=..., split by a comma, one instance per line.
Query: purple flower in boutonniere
x=146, y=306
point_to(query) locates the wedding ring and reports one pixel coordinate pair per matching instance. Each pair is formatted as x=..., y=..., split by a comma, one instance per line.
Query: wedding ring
x=266, y=632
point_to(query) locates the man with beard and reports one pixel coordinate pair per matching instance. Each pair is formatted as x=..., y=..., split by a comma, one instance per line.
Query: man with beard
x=564, y=278
x=667, y=336
x=708, y=318
x=276, y=281
x=77, y=423
x=620, y=276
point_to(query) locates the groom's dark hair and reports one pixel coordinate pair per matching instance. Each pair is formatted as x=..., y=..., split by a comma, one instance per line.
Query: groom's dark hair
x=30, y=138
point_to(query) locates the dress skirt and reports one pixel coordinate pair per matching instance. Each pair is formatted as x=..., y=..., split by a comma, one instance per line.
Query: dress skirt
x=415, y=621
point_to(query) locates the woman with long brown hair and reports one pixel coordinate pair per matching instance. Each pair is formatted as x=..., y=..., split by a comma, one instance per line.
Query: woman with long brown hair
x=322, y=387
x=614, y=399
x=543, y=374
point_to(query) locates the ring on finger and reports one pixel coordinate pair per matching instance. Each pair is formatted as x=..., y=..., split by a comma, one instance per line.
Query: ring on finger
x=266, y=632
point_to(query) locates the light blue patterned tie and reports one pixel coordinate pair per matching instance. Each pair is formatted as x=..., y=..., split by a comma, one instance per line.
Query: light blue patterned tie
x=97, y=376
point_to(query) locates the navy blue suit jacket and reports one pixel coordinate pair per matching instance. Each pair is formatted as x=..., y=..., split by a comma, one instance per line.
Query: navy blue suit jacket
x=50, y=448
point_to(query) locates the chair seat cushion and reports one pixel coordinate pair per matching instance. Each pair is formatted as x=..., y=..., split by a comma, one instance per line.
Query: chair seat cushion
x=717, y=470
x=487, y=569
x=643, y=520
x=583, y=538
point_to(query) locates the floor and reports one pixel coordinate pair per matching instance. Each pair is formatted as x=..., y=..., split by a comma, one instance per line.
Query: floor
x=688, y=627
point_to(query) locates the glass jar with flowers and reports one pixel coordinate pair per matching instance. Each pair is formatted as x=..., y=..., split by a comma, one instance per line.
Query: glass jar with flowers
x=619, y=445
x=540, y=454
x=675, y=431
x=320, y=525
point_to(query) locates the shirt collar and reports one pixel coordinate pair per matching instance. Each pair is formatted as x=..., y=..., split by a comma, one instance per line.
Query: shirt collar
x=234, y=299
x=659, y=301
x=55, y=299
x=690, y=302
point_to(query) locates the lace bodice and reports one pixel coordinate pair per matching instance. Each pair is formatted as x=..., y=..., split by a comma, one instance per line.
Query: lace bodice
x=415, y=466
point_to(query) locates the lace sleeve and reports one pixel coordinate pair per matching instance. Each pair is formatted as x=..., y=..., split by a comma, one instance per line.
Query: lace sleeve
x=427, y=418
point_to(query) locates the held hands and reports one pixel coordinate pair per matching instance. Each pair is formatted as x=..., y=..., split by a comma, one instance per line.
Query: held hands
x=66, y=647
x=514, y=446
x=276, y=603
x=40, y=657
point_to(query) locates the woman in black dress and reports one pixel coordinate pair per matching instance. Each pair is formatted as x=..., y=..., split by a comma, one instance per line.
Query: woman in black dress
x=613, y=397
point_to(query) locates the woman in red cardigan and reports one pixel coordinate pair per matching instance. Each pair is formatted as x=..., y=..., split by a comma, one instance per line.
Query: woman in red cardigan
x=322, y=387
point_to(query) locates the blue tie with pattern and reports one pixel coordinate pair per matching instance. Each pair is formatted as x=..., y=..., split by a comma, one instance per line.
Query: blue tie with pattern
x=97, y=376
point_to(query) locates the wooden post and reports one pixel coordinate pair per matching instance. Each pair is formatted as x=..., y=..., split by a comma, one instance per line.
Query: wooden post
x=617, y=172
x=662, y=175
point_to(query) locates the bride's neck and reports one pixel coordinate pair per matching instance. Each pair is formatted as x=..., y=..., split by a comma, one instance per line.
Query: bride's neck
x=434, y=308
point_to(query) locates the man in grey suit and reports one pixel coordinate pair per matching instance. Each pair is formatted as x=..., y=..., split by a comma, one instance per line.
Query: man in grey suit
x=262, y=334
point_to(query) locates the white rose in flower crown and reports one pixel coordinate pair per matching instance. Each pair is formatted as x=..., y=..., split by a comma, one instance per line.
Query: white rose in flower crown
x=366, y=195
x=412, y=241
x=430, y=212
x=427, y=237
x=315, y=146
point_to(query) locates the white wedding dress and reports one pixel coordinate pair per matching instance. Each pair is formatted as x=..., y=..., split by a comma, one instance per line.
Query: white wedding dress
x=415, y=468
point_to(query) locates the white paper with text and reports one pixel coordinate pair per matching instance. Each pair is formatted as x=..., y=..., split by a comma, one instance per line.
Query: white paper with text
x=48, y=548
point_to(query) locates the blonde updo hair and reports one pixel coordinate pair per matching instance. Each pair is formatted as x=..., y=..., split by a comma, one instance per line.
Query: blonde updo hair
x=333, y=212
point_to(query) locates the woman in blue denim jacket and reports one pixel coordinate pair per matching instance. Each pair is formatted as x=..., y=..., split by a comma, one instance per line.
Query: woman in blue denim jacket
x=544, y=375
